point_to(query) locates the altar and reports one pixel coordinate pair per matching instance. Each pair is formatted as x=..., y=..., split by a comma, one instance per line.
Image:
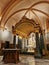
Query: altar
x=10, y=55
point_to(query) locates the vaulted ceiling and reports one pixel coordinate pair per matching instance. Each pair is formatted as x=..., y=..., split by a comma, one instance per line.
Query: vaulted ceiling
x=12, y=11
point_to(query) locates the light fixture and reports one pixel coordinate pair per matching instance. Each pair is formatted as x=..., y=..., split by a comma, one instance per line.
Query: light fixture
x=2, y=28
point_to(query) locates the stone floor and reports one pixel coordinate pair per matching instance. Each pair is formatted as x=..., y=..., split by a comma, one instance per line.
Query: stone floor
x=27, y=60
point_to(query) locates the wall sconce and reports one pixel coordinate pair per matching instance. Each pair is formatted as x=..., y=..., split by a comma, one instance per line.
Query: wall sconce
x=2, y=28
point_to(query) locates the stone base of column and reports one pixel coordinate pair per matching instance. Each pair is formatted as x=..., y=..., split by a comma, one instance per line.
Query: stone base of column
x=37, y=54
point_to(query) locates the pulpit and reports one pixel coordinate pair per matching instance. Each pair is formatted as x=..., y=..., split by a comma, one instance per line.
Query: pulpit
x=10, y=55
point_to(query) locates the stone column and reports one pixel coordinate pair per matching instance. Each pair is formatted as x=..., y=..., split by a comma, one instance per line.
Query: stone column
x=14, y=41
x=19, y=43
x=27, y=42
x=42, y=46
x=14, y=37
x=38, y=54
x=37, y=40
x=22, y=43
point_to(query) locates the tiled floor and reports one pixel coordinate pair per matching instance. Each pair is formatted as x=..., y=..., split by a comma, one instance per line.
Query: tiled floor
x=28, y=60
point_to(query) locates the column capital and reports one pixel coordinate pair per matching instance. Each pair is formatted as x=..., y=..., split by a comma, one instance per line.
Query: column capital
x=37, y=29
x=14, y=33
x=13, y=30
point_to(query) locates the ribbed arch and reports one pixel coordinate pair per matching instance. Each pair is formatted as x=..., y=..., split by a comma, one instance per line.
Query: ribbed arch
x=40, y=2
x=37, y=18
x=9, y=7
x=25, y=10
x=37, y=3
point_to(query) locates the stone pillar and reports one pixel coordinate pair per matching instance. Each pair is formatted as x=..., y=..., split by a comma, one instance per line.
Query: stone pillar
x=19, y=43
x=38, y=54
x=14, y=37
x=37, y=40
x=14, y=41
x=27, y=42
x=42, y=46
x=22, y=43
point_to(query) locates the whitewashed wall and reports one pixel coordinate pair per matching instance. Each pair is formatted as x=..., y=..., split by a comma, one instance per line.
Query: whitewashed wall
x=6, y=36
